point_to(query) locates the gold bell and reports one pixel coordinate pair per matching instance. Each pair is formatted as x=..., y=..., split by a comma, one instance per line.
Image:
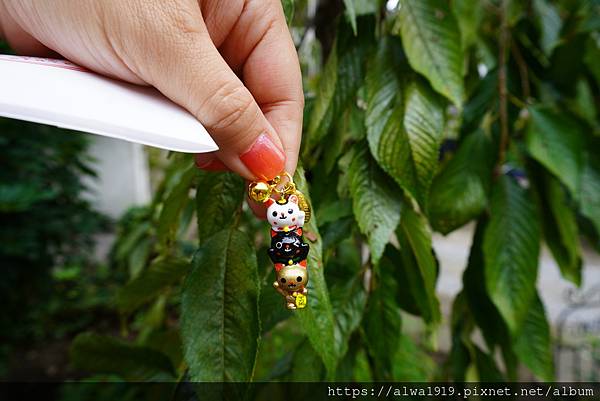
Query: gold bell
x=259, y=191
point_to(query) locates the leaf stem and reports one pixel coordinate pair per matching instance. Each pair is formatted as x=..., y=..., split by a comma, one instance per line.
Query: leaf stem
x=502, y=84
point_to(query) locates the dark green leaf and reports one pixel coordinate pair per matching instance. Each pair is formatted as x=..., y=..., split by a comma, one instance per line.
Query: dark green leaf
x=414, y=237
x=355, y=8
x=376, y=202
x=317, y=319
x=590, y=187
x=480, y=306
x=383, y=321
x=560, y=229
x=219, y=198
x=307, y=365
x=432, y=42
x=20, y=197
x=533, y=344
x=591, y=57
x=219, y=310
x=511, y=248
x=100, y=354
x=348, y=301
x=173, y=205
x=342, y=76
x=555, y=140
x=486, y=367
x=459, y=192
x=162, y=273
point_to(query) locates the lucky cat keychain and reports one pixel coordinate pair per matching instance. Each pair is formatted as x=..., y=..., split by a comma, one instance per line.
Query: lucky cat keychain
x=287, y=212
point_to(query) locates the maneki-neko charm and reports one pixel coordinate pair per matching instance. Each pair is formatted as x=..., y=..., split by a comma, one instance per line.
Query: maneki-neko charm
x=287, y=214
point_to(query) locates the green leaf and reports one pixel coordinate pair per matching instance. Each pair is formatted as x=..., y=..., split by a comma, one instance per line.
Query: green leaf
x=161, y=274
x=375, y=201
x=411, y=363
x=533, y=343
x=173, y=205
x=355, y=8
x=486, y=367
x=511, y=248
x=20, y=197
x=560, y=229
x=590, y=187
x=288, y=10
x=469, y=14
x=459, y=192
x=549, y=23
x=219, y=198
x=100, y=354
x=383, y=322
x=554, y=140
x=424, y=124
x=348, y=301
x=592, y=55
x=317, y=319
x=480, y=306
x=432, y=42
x=414, y=237
x=219, y=310
x=342, y=76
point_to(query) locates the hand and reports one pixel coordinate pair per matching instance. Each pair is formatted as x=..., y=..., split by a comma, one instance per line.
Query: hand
x=232, y=64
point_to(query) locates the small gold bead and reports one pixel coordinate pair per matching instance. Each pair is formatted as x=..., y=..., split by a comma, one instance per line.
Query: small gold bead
x=259, y=191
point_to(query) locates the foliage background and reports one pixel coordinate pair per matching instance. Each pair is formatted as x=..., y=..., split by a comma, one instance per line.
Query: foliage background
x=421, y=116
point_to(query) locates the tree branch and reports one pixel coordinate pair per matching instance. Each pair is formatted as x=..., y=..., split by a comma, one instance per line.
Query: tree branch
x=502, y=84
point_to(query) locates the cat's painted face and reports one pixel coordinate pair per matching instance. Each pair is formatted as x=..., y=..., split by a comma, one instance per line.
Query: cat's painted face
x=292, y=278
x=288, y=214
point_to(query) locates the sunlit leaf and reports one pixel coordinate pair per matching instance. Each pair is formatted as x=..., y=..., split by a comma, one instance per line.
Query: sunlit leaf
x=376, y=202
x=432, y=42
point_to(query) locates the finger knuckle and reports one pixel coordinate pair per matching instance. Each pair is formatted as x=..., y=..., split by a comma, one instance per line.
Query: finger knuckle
x=232, y=104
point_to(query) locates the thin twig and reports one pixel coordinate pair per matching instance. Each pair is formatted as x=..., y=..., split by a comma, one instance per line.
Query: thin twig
x=523, y=72
x=502, y=90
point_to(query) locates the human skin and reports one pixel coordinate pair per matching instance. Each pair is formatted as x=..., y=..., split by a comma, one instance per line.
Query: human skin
x=232, y=64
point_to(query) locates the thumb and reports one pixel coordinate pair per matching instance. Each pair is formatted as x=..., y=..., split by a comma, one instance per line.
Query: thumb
x=191, y=72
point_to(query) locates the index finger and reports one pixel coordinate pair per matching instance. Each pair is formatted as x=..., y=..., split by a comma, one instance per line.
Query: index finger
x=260, y=47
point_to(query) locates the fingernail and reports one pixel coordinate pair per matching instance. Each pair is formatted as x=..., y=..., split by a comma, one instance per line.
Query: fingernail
x=264, y=159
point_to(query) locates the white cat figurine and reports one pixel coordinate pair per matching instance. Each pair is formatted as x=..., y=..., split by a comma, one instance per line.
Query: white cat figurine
x=285, y=216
